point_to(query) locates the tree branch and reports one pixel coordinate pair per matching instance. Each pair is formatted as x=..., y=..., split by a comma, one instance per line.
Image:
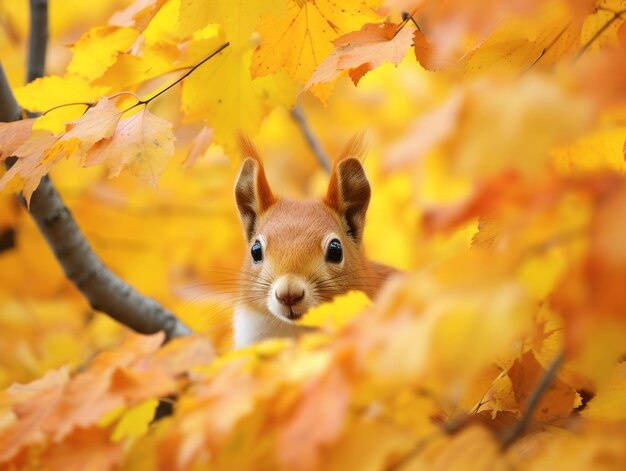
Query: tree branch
x=38, y=39
x=104, y=290
x=322, y=158
x=513, y=434
x=9, y=109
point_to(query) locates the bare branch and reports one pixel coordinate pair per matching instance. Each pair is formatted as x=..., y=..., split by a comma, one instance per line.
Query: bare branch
x=104, y=290
x=38, y=39
x=322, y=158
x=513, y=434
x=9, y=109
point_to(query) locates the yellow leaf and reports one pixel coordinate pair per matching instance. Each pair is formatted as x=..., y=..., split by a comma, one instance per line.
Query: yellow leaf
x=238, y=19
x=300, y=40
x=473, y=449
x=129, y=70
x=97, y=50
x=382, y=442
x=223, y=93
x=48, y=92
x=608, y=403
x=338, y=312
x=596, y=446
x=527, y=116
x=537, y=41
x=135, y=421
x=601, y=150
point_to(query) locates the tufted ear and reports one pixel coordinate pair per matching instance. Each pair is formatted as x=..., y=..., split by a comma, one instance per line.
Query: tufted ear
x=349, y=190
x=252, y=192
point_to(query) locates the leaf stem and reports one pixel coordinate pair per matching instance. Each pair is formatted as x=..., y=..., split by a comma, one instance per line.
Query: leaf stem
x=184, y=76
x=88, y=104
x=406, y=17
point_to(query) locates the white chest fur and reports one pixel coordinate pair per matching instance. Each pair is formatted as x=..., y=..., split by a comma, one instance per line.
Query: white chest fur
x=250, y=326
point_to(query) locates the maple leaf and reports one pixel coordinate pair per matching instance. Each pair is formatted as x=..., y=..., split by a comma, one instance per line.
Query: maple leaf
x=337, y=313
x=43, y=149
x=143, y=143
x=558, y=402
x=308, y=28
x=607, y=403
x=48, y=92
x=98, y=49
x=45, y=393
x=32, y=165
x=58, y=409
x=90, y=448
x=13, y=135
x=225, y=85
x=362, y=51
x=324, y=403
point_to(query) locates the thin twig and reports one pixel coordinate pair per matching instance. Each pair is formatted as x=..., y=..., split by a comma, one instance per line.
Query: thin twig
x=298, y=115
x=406, y=17
x=89, y=104
x=513, y=434
x=104, y=290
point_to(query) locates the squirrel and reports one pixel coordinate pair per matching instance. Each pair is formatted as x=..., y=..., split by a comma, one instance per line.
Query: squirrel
x=300, y=252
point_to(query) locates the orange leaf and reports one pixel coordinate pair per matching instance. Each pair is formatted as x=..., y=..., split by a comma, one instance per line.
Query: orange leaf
x=96, y=124
x=13, y=135
x=317, y=420
x=142, y=142
x=363, y=50
x=31, y=405
x=557, y=402
x=42, y=149
x=89, y=448
x=29, y=166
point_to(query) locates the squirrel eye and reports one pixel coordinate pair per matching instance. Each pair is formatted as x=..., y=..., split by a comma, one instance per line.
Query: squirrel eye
x=257, y=252
x=334, y=253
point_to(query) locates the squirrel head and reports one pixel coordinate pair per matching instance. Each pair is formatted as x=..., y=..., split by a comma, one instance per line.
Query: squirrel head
x=302, y=252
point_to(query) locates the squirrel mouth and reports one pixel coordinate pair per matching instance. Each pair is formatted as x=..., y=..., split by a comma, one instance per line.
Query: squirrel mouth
x=293, y=315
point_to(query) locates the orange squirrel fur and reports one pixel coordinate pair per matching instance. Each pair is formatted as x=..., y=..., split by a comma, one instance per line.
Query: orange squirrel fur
x=300, y=252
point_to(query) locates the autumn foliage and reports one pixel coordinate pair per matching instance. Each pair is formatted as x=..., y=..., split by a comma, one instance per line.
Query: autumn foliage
x=496, y=134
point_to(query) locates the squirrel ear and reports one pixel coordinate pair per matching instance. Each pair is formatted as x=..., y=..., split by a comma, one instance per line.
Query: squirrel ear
x=252, y=192
x=349, y=194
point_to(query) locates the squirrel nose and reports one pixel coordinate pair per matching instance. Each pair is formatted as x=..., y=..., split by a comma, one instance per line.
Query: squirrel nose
x=289, y=299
